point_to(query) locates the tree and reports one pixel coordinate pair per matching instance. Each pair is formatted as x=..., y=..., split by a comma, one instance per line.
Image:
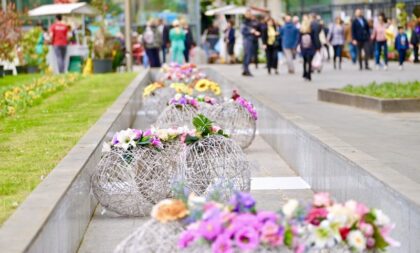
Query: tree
x=10, y=32
x=401, y=14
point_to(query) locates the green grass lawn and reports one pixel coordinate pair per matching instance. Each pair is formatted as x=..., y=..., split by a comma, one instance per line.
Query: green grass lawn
x=387, y=90
x=34, y=141
x=21, y=79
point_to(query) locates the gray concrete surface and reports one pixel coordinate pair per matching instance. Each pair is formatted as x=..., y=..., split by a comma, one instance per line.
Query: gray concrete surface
x=392, y=138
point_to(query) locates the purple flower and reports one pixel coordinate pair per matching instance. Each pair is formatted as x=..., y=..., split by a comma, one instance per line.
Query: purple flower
x=138, y=133
x=147, y=133
x=265, y=216
x=210, y=229
x=223, y=244
x=247, y=239
x=187, y=238
x=242, y=201
x=115, y=139
x=182, y=101
x=245, y=220
x=155, y=141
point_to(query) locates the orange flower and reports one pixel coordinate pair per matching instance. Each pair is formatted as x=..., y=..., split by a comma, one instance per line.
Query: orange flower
x=169, y=210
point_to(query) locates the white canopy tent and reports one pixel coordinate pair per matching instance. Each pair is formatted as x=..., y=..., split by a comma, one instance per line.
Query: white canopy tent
x=64, y=9
x=236, y=10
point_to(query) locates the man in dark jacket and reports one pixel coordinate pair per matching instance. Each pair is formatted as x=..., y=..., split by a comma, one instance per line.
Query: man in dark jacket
x=316, y=29
x=361, y=34
x=415, y=41
x=248, y=34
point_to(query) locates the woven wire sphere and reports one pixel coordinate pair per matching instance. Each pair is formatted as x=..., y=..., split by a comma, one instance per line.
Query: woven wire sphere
x=152, y=236
x=214, y=163
x=206, y=109
x=236, y=121
x=156, y=102
x=176, y=115
x=129, y=183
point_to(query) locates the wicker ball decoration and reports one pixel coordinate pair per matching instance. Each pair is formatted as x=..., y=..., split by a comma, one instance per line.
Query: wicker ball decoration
x=235, y=121
x=176, y=115
x=152, y=236
x=154, y=104
x=206, y=109
x=129, y=183
x=214, y=163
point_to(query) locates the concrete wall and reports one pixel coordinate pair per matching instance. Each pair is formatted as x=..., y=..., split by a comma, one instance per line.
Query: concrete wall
x=56, y=214
x=329, y=164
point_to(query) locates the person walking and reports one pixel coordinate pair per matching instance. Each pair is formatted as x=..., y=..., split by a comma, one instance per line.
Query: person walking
x=230, y=41
x=189, y=41
x=152, y=41
x=59, y=32
x=401, y=45
x=177, y=38
x=316, y=30
x=290, y=38
x=337, y=38
x=415, y=41
x=349, y=42
x=307, y=43
x=255, y=39
x=361, y=34
x=247, y=32
x=379, y=37
x=270, y=44
x=164, y=30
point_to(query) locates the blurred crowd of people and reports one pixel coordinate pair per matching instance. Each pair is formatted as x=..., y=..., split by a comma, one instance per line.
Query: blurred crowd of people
x=311, y=39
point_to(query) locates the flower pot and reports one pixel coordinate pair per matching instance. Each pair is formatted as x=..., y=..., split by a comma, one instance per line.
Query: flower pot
x=102, y=65
x=33, y=69
x=22, y=69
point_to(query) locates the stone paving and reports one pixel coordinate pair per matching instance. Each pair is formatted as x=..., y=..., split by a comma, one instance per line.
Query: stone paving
x=394, y=139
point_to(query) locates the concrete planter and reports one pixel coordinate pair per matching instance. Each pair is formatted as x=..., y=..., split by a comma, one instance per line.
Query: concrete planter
x=102, y=66
x=369, y=103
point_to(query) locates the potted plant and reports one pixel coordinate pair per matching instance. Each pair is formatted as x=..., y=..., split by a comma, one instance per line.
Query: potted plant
x=102, y=49
x=34, y=50
x=10, y=33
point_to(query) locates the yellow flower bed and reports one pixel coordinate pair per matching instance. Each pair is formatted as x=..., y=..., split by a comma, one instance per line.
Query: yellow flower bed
x=13, y=99
x=204, y=85
x=151, y=88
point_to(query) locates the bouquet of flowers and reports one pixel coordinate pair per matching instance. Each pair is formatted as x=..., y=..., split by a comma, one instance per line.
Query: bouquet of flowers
x=131, y=138
x=245, y=104
x=204, y=85
x=180, y=99
x=151, y=88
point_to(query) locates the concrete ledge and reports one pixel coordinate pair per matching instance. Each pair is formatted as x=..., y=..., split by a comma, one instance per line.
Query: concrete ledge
x=369, y=103
x=329, y=164
x=56, y=214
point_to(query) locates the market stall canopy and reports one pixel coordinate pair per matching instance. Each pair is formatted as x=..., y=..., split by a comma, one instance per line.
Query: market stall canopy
x=72, y=8
x=236, y=10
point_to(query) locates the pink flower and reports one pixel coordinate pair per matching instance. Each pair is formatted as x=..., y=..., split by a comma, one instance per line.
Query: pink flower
x=210, y=229
x=322, y=199
x=272, y=234
x=246, y=238
x=215, y=129
x=223, y=244
x=361, y=209
x=316, y=215
x=370, y=243
x=266, y=216
x=187, y=238
x=367, y=229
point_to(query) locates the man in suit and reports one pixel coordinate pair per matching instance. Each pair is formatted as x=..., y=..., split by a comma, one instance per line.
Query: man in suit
x=361, y=35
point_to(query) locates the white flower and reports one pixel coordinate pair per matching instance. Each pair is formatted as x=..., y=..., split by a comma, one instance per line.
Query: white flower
x=356, y=240
x=381, y=218
x=106, y=147
x=341, y=215
x=324, y=236
x=178, y=96
x=126, y=138
x=290, y=207
x=195, y=201
x=163, y=134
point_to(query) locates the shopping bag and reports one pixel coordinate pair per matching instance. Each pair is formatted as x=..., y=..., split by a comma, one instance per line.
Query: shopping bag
x=317, y=61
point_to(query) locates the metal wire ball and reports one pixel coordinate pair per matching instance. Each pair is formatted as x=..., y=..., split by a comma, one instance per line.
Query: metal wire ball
x=152, y=236
x=176, y=115
x=129, y=183
x=236, y=121
x=216, y=162
x=154, y=104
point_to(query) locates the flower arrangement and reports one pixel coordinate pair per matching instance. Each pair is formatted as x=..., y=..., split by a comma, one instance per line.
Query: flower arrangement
x=185, y=73
x=182, y=88
x=204, y=85
x=180, y=99
x=206, y=99
x=322, y=225
x=13, y=99
x=246, y=104
x=151, y=88
x=203, y=128
x=131, y=138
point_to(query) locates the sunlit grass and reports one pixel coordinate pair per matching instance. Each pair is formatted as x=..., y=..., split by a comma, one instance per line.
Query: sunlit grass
x=387, y=90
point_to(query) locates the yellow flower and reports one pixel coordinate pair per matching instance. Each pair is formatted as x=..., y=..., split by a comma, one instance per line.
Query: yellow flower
x=202, y=85
x=169, y=210
x=11, y=110
x=216, y=90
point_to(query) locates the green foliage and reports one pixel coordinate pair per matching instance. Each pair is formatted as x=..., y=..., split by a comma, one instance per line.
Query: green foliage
x=402, y=14
x=104, y=44
x=34, y=49
x=387, y=90
x=10, y=32
x=32, y=143
x=202, y=124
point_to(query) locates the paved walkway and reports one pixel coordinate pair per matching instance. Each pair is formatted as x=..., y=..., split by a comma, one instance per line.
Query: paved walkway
x=393, y=139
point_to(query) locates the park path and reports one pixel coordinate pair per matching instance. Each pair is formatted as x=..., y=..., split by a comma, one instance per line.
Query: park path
x=392, y=138
x=273, y=183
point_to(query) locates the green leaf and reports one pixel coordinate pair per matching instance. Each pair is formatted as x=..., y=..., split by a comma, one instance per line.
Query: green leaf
x=380, y=242
x=202, y=124
x=191, y=139
x=288, y=238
